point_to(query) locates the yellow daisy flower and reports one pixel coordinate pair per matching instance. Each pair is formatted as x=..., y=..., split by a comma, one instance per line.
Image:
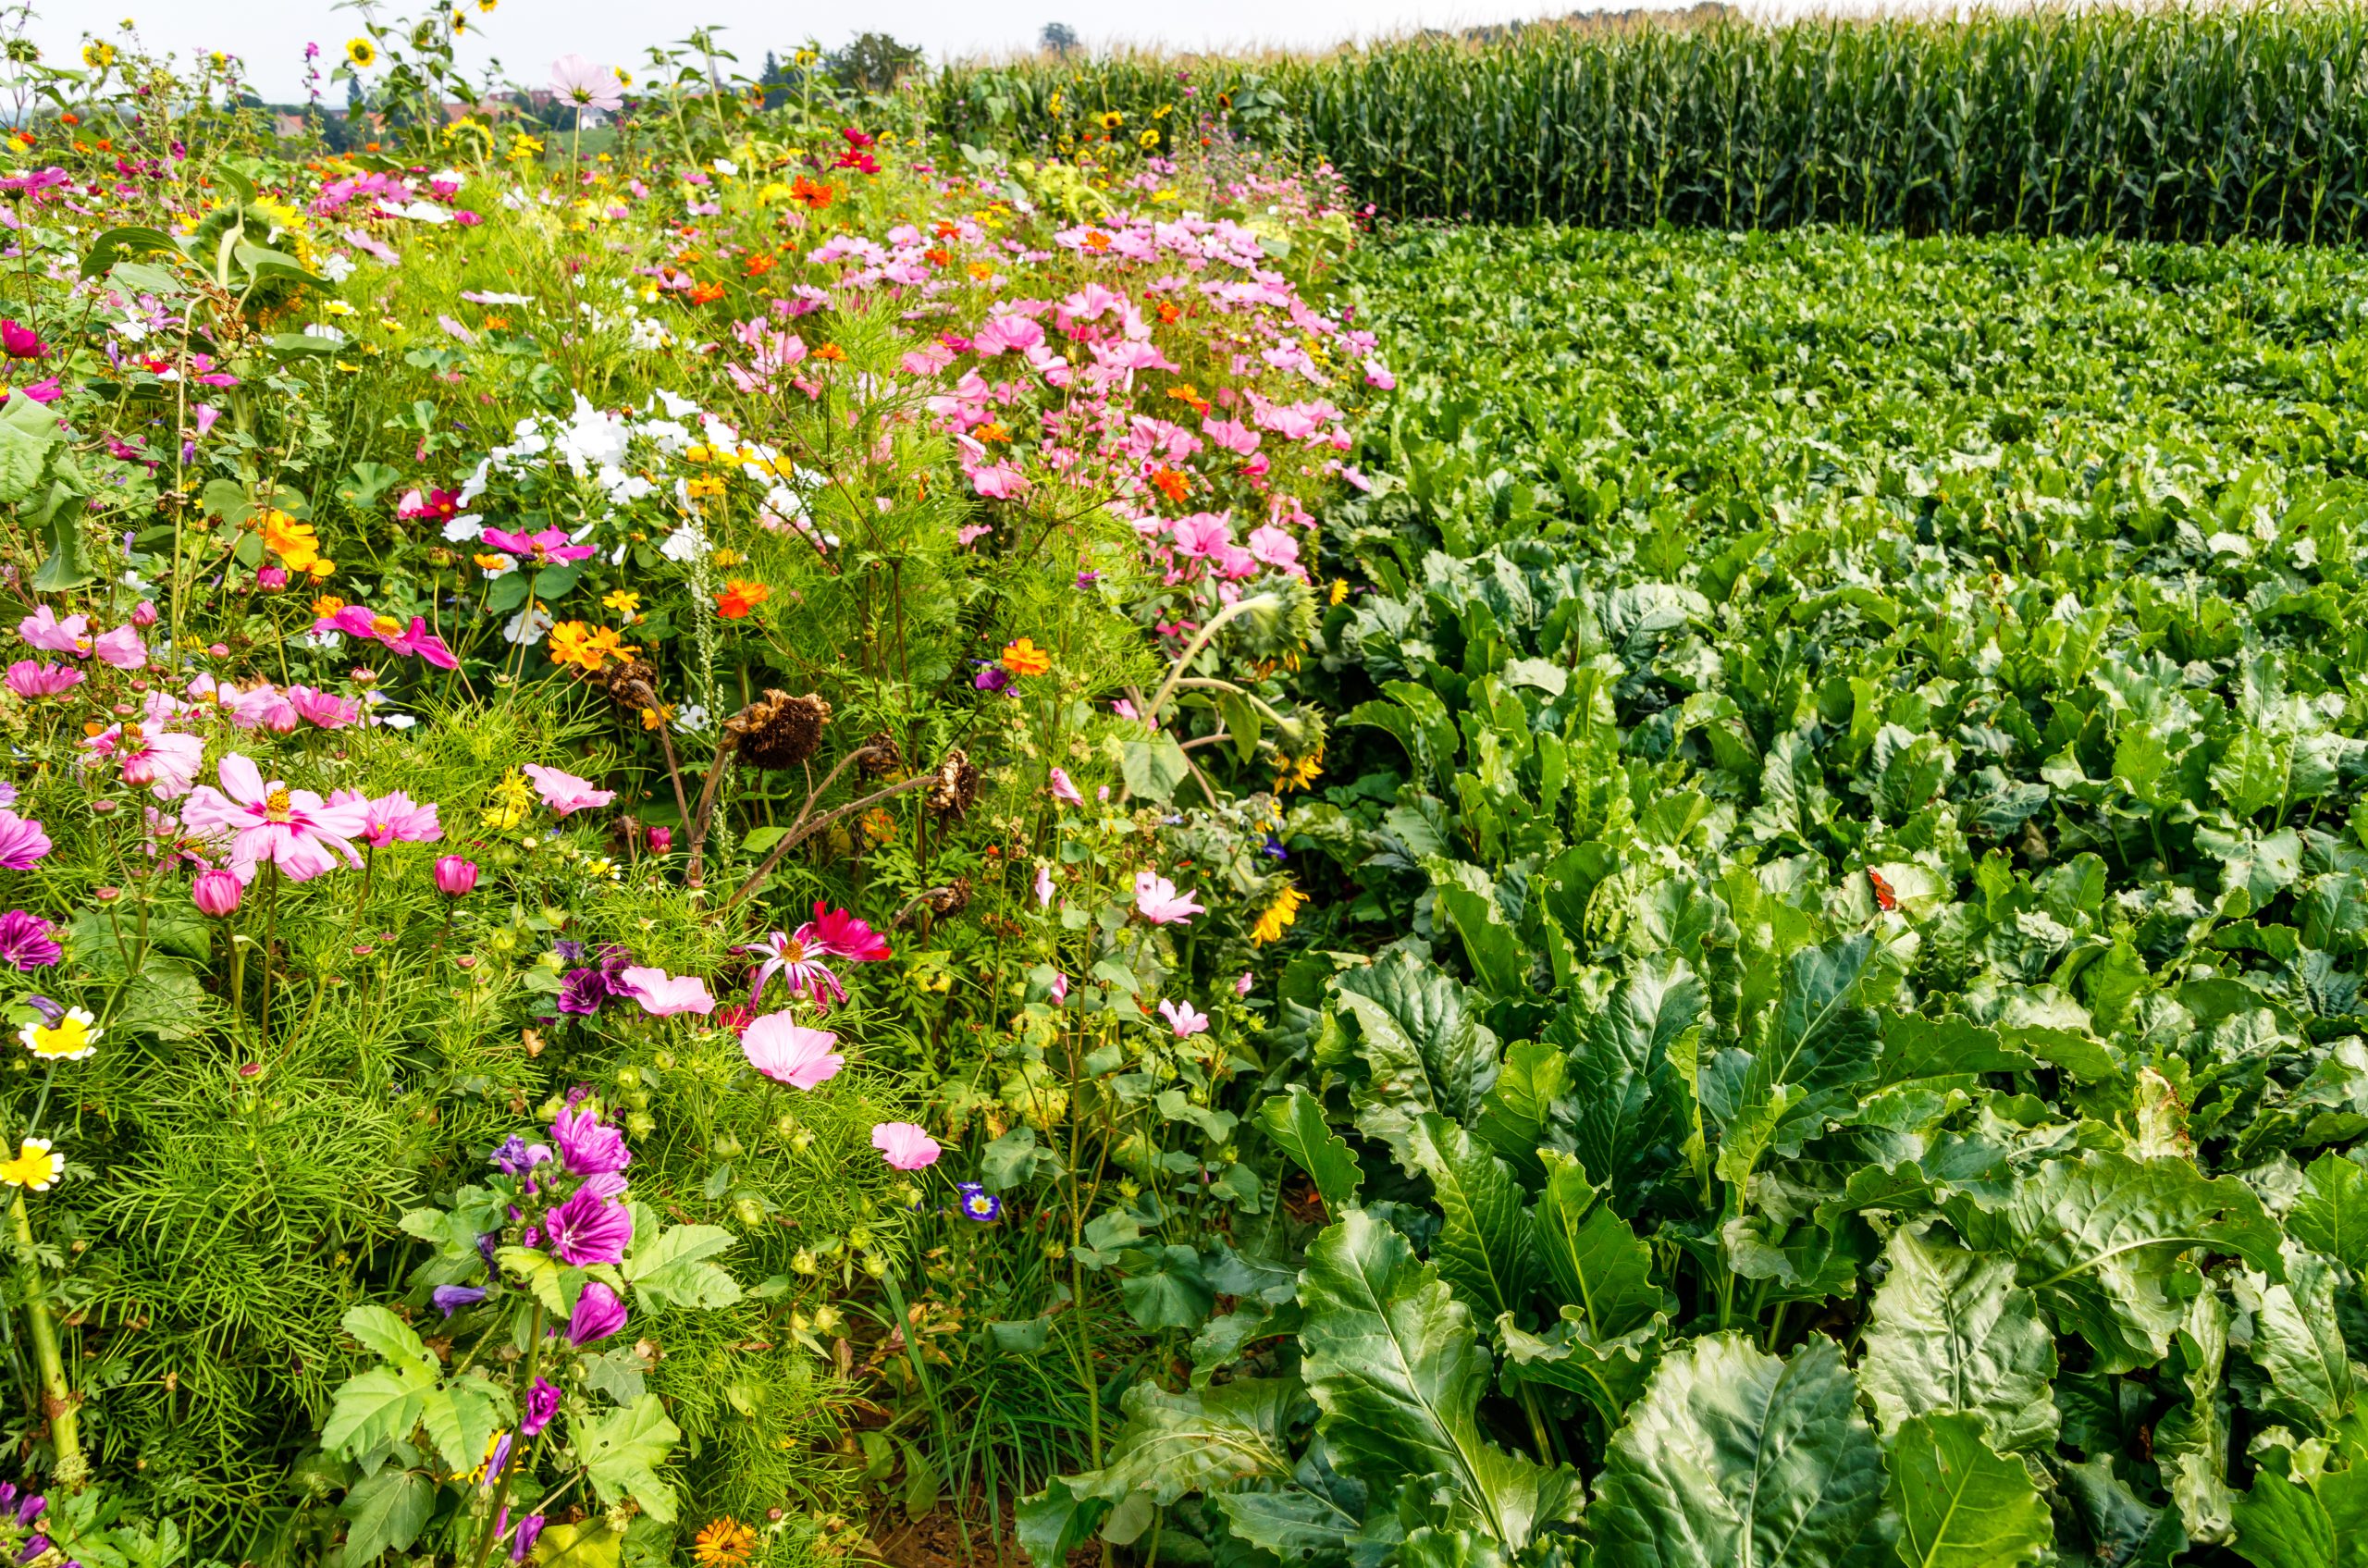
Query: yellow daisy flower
x=35, y=1166
x=71, y=1039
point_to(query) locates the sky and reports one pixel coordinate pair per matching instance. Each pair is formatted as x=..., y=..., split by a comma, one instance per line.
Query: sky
x=526, y=35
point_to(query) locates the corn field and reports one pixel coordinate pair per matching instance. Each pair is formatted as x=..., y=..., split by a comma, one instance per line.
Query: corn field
x=2178, y=124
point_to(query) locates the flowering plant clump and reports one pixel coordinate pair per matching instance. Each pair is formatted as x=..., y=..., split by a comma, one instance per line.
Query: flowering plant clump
x=556, y=641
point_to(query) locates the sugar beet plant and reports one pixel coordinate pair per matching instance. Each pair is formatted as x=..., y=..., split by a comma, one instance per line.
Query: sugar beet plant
x=1848, y=772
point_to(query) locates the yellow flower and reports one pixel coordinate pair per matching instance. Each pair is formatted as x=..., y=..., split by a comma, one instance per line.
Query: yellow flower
x=699, y=488
x=523, y=146
x=488, y=5
x=623, y=602
x=1112, y=120
x=1147, y=141
x=878, y=826
x=1024, y=658
x=35, y=1167
x=294, y=542
x=71, y=1039
x=511, y=800
x=653, y=717
x=1340, y=590
x=1271, y=921
x=361, y=54
x=727, y=1543
x=1299, y=772
x=98, y=56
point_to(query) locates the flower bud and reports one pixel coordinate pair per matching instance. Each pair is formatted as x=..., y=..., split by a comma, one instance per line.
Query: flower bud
x=455, y=877
x=661, y=840
x=216, y=892
x=144, y=613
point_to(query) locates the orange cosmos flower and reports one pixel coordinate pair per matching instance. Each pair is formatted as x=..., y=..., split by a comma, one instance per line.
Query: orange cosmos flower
x=739, y=597
x=1024, y=658
x=1171, y=484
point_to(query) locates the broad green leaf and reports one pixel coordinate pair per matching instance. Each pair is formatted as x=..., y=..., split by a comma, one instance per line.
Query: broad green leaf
x=1608, y=1372
x=1917, y=1047
x=1153, y=768
x=386, y=1336
x=386, y=1511
x=1484, y=1248
x=621, y=1451
x=1529, y=1105
x=1490, y=944
x=1392, y=1361
x=1600, y=1267
x=1163, y=1288
x=374, y=1407
x=1733, y=1459
x=588, y=1544
x=2280, y=1525
x=2295, y=1340
x=1634, y=1108
x=1295, y=1120
x=671, y=1268
x=2098, y=1240
x=1960, y=1505
x=1953, y=1332
x=463, y=1417
x=2331, y=1215
x=1426, y=1051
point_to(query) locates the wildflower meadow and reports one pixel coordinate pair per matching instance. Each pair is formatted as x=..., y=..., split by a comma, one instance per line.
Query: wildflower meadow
x=836, y=810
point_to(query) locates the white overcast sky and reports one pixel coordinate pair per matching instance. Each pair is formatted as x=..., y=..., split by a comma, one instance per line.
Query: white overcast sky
x=526, y=35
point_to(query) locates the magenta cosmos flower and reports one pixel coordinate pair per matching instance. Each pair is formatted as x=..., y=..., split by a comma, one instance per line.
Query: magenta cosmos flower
x=294, y=829
x=904, y=1146
x=778, y=1047
x=584, y=85
x=801, y=960
x=564, y=793
x=455, y=877
x=324, y=709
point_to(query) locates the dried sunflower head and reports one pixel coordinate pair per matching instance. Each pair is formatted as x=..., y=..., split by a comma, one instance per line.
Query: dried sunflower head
x=631, y=684
x=779, y=732
x=956, y=788
x=951, y=899
x=882, y=755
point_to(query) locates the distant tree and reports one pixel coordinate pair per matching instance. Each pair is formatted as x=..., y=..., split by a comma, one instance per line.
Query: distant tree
x=1058, y=38
x=778, y=81
x=872, y=62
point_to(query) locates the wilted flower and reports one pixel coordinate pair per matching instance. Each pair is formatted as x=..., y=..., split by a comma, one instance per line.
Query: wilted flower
x=542, y=1404
x=779, y=732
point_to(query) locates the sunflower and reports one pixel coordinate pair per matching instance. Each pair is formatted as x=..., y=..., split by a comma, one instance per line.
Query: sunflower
x=1277, y=914
x=98, y=56
x=1112, y=120
x=361, y=54
x=1298, y=772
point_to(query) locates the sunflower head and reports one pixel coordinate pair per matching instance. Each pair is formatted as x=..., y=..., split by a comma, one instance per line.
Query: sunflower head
x=361, y=54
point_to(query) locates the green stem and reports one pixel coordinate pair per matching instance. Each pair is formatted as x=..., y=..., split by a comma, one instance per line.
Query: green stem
x=57, y=1398
x=502, y=1488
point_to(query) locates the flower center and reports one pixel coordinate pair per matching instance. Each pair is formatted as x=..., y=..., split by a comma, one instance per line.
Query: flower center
x=275, y=804
x=794, y=951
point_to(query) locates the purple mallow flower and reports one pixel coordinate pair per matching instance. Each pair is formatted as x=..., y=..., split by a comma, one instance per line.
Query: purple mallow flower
x=587, y=1145
x=598, y=1315
x=589, y=1229
x=27, y=940
x=449, y=1298
x=542, y=1404
x=516, y=1156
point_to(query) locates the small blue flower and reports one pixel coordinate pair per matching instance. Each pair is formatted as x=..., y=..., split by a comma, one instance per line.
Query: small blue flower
x=977, y=1203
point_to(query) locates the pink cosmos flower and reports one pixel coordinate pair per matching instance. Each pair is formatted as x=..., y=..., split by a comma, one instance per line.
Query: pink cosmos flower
x=326, y=709
x=1157, y=901
x=121, y=647
x=799, y=958
x=29, y=679
x=1241, y=983
x=999, y=481
x=1273, y=546
x=585, y=85
x=22, y=842
x=294, y=829
x=1063, y=790
x=904, y=1146
x=779, y=1047
x=539, y=549
x=564, y=793
x=394, y=819
x=163, y=762
x=1232, y=434
x=43, y=630
x=1044, y=886
x=662, y=996
x=1203, y=534
x=1183, y=1020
